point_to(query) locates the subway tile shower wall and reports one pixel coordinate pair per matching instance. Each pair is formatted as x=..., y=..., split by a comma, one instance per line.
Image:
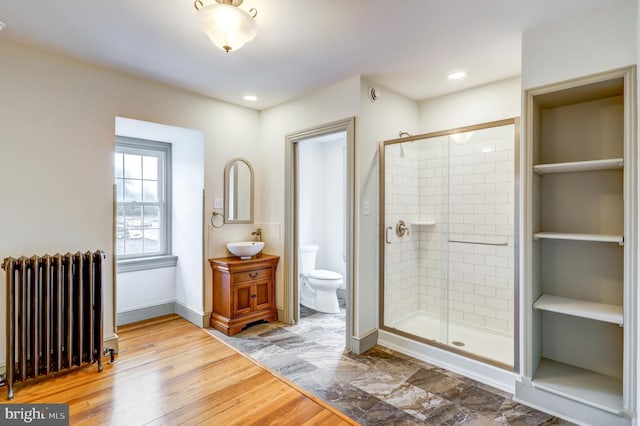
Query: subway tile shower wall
x=402, y=276
x=468, y=191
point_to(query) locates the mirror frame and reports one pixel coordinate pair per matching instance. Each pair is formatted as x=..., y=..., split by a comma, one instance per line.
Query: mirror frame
x=227, y=184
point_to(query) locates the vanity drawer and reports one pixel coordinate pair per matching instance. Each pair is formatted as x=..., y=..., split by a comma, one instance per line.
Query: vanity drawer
x=257, y=274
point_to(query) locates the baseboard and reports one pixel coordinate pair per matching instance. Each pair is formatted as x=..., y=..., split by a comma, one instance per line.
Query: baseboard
x=135, y=315
x=476, y=370
x=148, y=312
x=363, y=343
x=111, y=342
x=198, y=318
x=280, y=314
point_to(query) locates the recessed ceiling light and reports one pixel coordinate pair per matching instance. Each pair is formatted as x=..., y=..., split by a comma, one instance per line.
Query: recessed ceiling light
x=250, y=98
x=2, y=25
x=457, y=75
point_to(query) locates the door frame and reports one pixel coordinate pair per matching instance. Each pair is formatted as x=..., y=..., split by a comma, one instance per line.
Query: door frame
x=291, y=309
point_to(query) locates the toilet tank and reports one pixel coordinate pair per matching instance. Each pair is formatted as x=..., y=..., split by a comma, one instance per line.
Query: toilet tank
x=307, y=258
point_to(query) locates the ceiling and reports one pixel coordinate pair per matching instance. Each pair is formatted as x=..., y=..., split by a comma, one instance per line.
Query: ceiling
x=408, y=46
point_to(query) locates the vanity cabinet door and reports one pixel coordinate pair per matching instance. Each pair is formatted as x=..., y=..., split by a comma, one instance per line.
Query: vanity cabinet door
x=252, y=296
x=263, y=293
x=242, y=299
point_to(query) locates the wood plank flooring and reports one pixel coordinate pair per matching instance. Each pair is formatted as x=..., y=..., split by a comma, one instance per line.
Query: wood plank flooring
x=171, y=372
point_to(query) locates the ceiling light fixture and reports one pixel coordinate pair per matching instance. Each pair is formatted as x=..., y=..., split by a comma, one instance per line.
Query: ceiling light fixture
x=457, y=75
x=228, y=26
x=250, y=98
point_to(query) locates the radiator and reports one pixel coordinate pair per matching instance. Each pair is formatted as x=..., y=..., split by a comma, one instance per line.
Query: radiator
x=54, y=315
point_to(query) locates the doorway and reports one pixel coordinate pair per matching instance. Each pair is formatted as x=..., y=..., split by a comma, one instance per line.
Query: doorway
x=320, y=189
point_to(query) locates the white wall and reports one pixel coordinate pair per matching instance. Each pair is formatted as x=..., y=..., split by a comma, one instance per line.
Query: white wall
x=57, y=120
x=144, y=289
x=334, y=197
x=599, y=40
x=310, y=189
x=378, y=121
x=489, y=102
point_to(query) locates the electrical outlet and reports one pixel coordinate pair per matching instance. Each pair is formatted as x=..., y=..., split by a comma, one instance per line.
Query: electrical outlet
x=366, y=210
x=218, y=203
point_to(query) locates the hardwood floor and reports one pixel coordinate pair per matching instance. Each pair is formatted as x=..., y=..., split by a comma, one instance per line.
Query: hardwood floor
x=170, y=372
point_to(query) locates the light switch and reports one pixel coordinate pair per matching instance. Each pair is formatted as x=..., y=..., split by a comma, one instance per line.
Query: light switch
x=218, y=203
x=366, y=210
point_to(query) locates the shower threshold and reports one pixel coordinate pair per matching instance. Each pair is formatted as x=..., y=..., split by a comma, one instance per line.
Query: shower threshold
x=478, y=341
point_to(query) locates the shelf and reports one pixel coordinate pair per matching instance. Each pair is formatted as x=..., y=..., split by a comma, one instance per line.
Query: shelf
x=580, y=237
x=580, y=308
x=424, y=223
x=588, y=387
x=580, y=166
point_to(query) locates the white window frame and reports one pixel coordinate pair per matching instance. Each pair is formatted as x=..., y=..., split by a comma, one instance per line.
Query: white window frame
x=163, y=258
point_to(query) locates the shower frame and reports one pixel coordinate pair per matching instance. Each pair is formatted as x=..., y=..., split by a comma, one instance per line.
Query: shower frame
x=515, y=121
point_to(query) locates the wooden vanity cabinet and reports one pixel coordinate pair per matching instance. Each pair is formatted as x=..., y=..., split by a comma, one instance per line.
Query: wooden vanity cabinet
x=243, y=292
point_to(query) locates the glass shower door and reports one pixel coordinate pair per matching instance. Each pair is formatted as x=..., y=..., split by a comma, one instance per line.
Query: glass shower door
x=481, y=243
x=449, y=241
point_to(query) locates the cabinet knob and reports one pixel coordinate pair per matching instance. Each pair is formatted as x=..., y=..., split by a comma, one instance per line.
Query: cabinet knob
x=253, y=296
x=253, y=275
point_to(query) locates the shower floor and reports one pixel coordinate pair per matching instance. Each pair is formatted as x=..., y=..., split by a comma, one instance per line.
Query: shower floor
x=476, y=340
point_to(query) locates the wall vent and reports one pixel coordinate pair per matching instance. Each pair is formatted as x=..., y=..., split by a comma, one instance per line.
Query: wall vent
x=374, y=94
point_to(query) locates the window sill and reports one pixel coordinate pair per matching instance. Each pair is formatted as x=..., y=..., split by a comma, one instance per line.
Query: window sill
x=144, y=263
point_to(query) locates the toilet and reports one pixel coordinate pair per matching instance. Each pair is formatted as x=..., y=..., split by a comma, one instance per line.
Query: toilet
x=317, y=286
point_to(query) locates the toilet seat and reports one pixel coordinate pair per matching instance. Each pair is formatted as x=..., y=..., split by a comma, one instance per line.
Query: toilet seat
x=323, y=274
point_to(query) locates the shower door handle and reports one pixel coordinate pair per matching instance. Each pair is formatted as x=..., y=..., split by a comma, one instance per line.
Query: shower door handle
x=386, y=234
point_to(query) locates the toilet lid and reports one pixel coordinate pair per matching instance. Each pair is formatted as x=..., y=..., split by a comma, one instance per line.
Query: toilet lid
x=321, y=274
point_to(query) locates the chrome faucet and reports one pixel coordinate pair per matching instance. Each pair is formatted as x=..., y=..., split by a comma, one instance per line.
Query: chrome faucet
x=258, y=234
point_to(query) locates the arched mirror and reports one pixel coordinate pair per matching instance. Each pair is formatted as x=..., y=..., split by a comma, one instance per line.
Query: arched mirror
x=238, y=191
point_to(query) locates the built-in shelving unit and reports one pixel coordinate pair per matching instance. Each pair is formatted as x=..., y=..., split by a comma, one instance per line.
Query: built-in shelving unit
x=579, y=237
x=580, y=308
x=581, y=196
x=580, y=166
x=586, y=386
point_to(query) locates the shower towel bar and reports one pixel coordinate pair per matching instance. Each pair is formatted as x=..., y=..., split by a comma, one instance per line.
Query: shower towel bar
x=482, y=244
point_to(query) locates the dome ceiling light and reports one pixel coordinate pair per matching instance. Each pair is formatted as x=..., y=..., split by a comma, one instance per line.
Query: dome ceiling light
x=457, y=75
x=228, y=26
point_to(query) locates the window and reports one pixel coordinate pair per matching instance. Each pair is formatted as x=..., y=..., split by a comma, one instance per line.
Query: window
x=143, y=199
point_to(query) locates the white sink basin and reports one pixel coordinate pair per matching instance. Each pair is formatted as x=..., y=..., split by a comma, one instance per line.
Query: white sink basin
x=245, y=249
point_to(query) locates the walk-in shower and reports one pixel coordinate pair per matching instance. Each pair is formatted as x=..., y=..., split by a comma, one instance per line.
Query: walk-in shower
x=448, y=237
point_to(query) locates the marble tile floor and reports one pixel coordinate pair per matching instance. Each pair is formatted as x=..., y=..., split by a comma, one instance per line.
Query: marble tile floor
x=379, y=387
